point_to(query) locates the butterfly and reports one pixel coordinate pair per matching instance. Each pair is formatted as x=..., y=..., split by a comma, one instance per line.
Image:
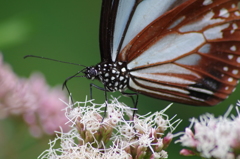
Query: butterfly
x=185, y=51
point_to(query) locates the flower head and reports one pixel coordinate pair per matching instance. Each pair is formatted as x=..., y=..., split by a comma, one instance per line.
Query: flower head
x=33, y=99
x=213, y=137
x=112, y=136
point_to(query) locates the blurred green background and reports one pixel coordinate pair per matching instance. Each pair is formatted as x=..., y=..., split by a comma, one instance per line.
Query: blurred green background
x=68, y=31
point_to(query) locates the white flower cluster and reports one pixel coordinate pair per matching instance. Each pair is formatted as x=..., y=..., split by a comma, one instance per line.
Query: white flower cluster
x=215, y=138
x=111, y=137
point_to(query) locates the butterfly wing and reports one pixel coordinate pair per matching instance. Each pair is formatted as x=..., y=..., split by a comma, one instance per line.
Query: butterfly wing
x=189, y=54
x=108, y=16
x=121, y=20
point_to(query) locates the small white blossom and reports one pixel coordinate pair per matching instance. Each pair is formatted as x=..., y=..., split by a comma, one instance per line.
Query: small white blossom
x=112, y=136
x=213, y=137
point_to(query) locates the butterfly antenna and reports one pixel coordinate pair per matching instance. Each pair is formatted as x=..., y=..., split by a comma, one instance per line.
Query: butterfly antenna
x=45, y=58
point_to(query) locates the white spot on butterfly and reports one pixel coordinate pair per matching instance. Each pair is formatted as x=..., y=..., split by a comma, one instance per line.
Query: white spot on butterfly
x=235, y=72
x=233, y=6
x=237, y=13
x=121, y=78
x=207, y=2
x=234, y=26
x=226, y=88
x=233, y=48
x=238, y=60
x=106, y=75
x=230, y=79
x=225, y=68
x=230, y=57
x=224, y=13
x=112, y=78
x=123, y=70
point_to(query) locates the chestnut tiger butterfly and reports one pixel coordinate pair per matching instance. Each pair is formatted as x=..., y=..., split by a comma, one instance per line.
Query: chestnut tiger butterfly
x=185, y=51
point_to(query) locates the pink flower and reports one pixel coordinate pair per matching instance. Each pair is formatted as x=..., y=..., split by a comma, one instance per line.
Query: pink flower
x=33, y=99
x=186, y=152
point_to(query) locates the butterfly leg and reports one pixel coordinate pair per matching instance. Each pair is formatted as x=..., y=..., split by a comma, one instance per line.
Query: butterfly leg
x=65, y=85
x=105, y=94
x=135, y=102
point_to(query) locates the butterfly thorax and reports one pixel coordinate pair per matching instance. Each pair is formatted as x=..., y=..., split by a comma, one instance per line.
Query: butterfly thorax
x=114, y=76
